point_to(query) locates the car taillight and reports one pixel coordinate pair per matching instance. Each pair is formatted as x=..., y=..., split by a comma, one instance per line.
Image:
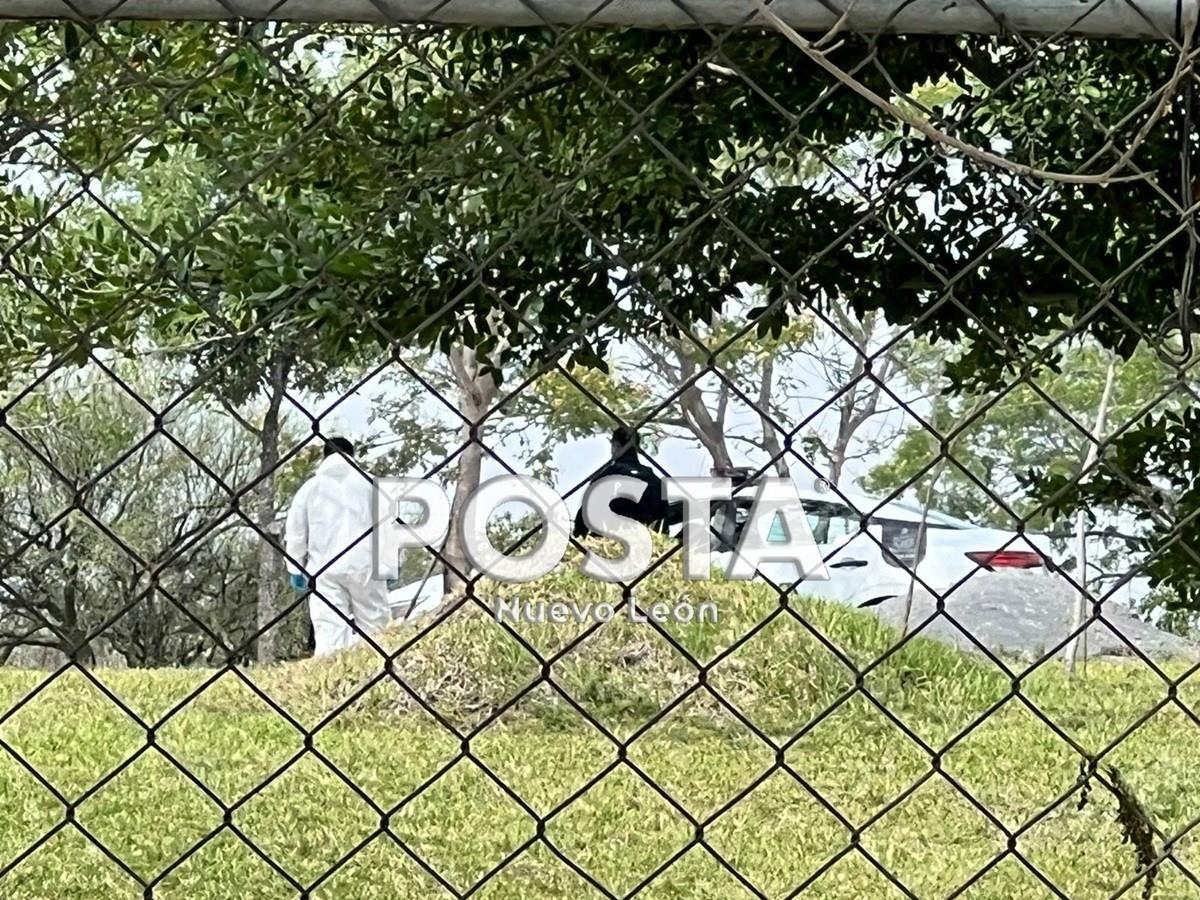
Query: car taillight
x=1007, y=559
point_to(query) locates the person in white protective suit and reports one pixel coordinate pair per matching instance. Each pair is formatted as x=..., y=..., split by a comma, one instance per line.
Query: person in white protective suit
x=332, y=537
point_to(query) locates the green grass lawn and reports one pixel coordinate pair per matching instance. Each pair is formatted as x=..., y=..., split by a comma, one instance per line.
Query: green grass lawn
x=440, y=796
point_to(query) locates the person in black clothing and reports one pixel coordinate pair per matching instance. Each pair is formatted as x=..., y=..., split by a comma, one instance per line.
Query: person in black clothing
x=651, y=508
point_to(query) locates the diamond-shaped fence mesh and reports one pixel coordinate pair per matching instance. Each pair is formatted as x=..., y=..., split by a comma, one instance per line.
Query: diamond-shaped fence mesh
x=932, y=265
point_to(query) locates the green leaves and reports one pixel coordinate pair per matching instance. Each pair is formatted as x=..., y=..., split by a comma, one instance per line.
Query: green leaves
x=156, y=154
x=310, y=178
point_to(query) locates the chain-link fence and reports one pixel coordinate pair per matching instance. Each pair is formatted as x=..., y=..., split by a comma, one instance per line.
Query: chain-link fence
x=942, y=284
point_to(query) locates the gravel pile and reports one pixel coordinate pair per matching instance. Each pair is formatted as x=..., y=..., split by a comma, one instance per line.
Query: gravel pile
x=1022, y=614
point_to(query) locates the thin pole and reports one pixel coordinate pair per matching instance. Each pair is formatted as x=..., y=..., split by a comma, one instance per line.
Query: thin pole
x=912, y=581
x=1093, y=451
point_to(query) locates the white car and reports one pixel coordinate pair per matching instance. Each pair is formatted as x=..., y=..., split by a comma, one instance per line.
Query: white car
x=864, y=568
x=418, y=598
x=872, y=566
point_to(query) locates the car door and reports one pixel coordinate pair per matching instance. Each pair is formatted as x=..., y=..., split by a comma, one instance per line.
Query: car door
x=852, y=559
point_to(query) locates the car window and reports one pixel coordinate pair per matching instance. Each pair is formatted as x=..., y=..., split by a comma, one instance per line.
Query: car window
x=818, y=524
x=775, y=534
x=900, y=543
x=842, y=522
x=726, y=523
x=828, y=521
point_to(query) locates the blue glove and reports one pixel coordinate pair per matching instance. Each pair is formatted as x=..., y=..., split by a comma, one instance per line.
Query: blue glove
x=298, y=582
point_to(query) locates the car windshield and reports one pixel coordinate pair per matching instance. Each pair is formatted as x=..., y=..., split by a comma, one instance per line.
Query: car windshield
x=826, y=521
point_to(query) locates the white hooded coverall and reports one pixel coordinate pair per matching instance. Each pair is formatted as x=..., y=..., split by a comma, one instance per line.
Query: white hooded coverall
x=331, y=532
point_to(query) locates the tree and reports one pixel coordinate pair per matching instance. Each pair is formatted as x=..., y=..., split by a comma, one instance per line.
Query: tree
x=852, y=362
x=999, y=442
x=713, y=387
x=212, y=314
x=438, y=414
x=144, y=548
x=442, y=188
x=759, y=391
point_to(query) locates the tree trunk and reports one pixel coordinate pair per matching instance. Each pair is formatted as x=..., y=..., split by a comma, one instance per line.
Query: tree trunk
x=837, y=461
x=860, y=404
x=709, y=431
x=476, y=392
x=713, y=440
x=74, y=634
x=770, y=438
x=271, y=567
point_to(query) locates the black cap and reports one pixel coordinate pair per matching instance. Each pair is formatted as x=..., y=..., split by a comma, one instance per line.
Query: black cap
x=338, y=445
x=626, y=437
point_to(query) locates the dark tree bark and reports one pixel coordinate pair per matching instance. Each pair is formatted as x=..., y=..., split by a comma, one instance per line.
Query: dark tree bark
x=476, y=392
x=271, y=566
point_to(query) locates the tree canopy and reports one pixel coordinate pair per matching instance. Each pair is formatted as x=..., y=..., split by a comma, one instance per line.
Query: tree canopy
x=534, y=193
